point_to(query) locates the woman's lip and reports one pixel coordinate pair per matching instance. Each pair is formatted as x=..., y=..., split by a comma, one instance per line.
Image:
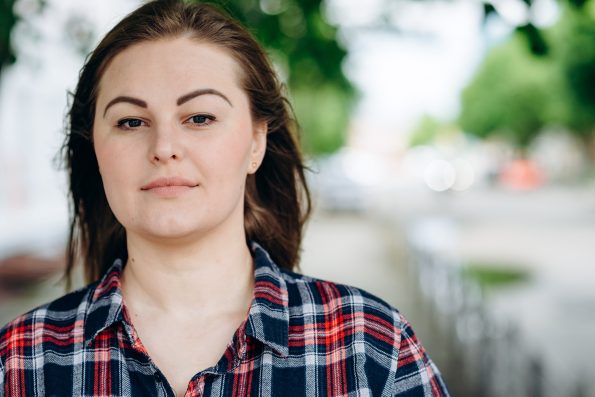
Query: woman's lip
x=170, y=191
x=169, y=184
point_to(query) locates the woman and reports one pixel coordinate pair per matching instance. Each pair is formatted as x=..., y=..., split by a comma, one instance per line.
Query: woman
x=188, y=201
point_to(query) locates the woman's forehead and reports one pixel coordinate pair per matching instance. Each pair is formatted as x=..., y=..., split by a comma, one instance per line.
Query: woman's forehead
x=171, y=66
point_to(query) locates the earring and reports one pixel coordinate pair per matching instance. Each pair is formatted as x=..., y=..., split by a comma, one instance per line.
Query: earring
x=254, y=165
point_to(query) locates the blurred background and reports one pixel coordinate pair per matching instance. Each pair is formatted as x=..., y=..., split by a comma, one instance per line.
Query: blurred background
x=452, y=151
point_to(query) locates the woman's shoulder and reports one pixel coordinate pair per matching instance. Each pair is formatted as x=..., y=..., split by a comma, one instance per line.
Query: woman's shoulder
x=343, y=316
x=57, y=318
x=343, y=305
x=326, y=291
x=314, y=300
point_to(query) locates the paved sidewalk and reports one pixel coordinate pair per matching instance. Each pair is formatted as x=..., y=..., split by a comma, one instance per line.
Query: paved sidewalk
x=549, y=233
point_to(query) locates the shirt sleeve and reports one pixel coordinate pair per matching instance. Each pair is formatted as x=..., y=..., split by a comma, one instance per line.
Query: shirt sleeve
x=416, y=375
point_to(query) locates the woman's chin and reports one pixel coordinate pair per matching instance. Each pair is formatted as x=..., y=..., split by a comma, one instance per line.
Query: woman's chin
x=171, y=231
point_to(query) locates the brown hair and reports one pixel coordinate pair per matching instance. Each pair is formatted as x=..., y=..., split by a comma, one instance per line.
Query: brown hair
x=277, y=201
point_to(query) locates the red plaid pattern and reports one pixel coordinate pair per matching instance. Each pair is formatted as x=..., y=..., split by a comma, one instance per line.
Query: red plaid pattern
x=302, y=337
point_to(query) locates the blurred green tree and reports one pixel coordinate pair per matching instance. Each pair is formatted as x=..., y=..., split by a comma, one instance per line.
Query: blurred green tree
x=573, y=40
x=509, y=95
x=515, y=92
x=305, y=49
x=8, y=19
x=10, y=16
x=426, y=132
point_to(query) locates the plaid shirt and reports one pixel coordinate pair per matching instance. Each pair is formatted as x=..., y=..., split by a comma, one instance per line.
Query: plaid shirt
x=302, y=337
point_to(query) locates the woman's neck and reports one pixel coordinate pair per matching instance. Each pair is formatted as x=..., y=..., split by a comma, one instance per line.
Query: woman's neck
x=213, y=275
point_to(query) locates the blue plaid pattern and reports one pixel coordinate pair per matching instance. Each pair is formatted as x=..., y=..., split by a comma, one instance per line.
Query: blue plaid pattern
x=302, y=337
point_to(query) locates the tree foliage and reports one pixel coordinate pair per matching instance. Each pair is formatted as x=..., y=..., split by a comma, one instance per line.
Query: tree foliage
x=305, y=49
x=8, y=19
x=509, y=95
x=426, y=131
x=516, y=93
x=298, y=37
x=575, y=57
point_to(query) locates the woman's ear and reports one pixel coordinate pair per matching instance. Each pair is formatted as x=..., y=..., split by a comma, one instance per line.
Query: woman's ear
x=259, y=145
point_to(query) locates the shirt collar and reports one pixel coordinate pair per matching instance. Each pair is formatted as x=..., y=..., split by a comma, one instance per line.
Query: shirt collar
x=105, y=307
x=268, y=319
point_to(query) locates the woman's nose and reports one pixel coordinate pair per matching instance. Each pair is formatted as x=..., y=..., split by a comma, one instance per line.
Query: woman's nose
x=166, y=145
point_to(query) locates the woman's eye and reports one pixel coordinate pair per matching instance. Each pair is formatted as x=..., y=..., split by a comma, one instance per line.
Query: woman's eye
x=129, y=124
x=201, y=119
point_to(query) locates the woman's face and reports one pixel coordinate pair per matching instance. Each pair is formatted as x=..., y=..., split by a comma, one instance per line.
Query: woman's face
x=175, y=139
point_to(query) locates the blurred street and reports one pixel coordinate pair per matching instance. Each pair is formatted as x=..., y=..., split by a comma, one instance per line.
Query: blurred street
x=532, y=337
x=536, y=334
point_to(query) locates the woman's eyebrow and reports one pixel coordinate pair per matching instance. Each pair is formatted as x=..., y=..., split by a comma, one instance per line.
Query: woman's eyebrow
x=181, y=100
x=128, y=99
x=199, y=92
